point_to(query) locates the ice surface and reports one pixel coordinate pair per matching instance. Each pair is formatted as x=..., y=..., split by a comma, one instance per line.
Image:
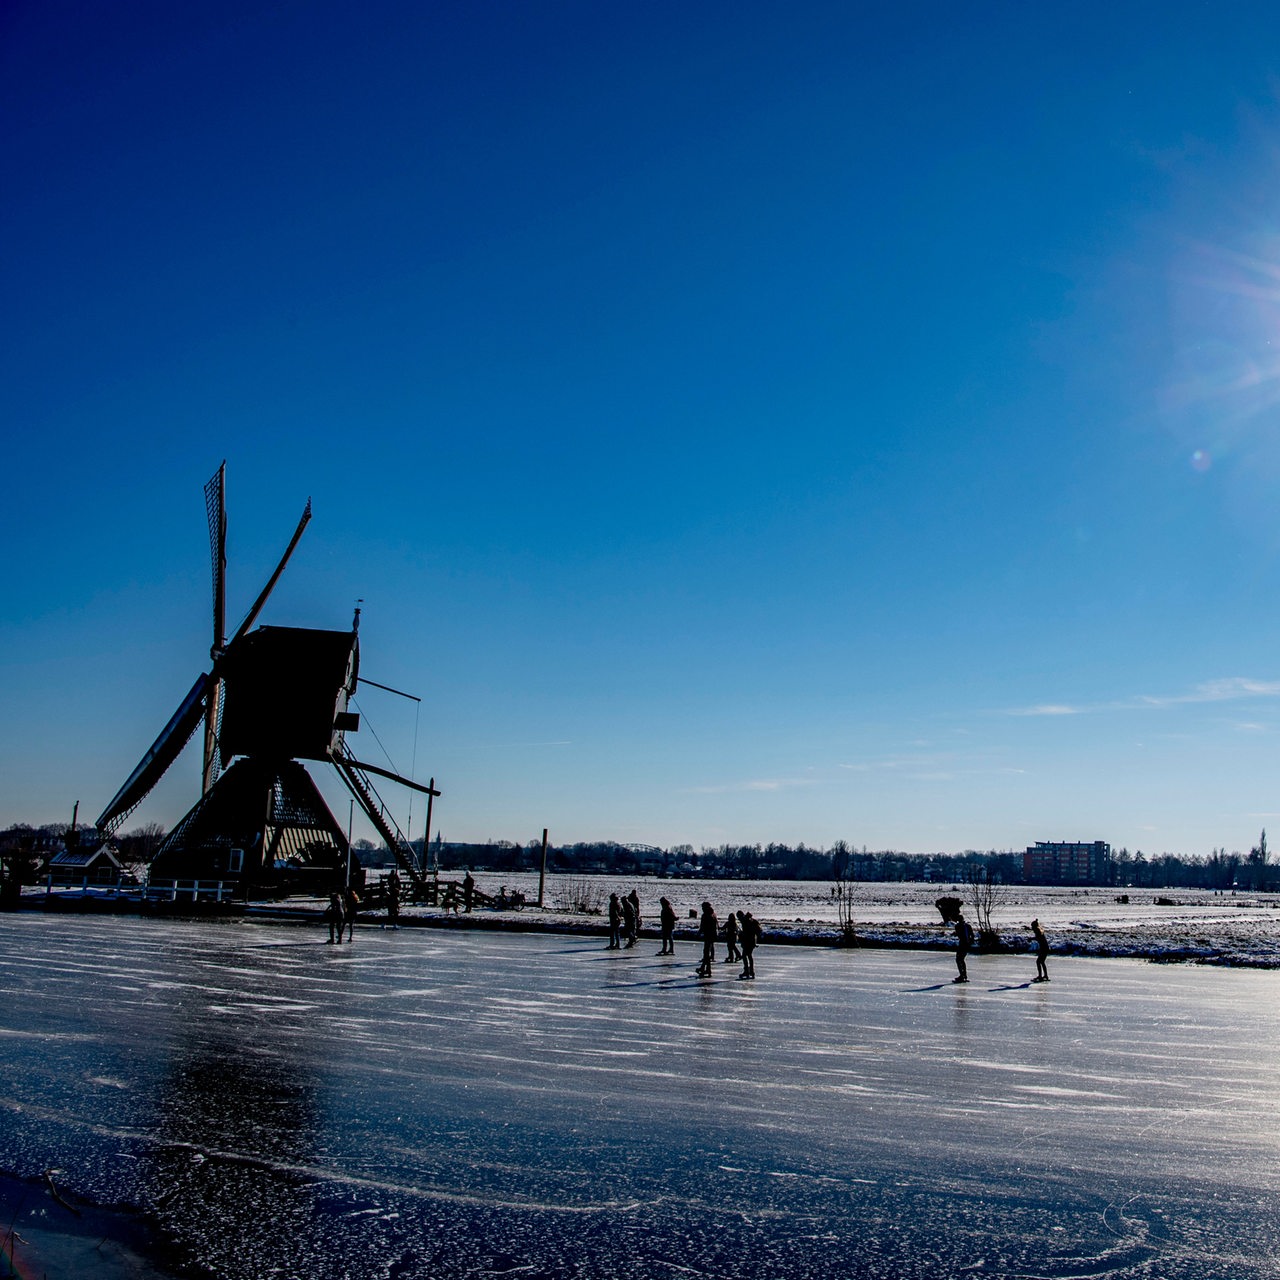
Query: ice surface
x=426, y=1103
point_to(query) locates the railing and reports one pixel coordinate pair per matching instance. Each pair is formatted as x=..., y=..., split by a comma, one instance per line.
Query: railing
x=373, y=805
x=191, y=890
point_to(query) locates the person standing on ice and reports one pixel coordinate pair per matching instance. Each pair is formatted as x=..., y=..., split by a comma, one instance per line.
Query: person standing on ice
x=731, y=952
x=350, y=905
x=615, y=922
x=750, y=931
x=629, y=920
x=333, y=915
x=634, y=898
x=708, y=927
x=1042, y=952
x=468, y=890
x=667, y=925
x=964, y=940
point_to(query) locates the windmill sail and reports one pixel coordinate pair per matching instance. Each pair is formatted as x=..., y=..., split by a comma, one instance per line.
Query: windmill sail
x=162, y=753
x=252, y=616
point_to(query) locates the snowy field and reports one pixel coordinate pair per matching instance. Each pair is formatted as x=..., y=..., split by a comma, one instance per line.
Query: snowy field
x=425, y=1103
x=1230, y=928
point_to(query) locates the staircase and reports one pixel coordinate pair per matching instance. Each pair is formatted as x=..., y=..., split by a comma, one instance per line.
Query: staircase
x=372, y=803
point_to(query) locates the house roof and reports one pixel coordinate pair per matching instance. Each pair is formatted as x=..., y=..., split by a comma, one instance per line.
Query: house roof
x=83, y=857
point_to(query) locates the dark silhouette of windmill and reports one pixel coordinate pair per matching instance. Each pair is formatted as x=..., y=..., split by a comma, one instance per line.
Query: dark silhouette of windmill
x=273, y=697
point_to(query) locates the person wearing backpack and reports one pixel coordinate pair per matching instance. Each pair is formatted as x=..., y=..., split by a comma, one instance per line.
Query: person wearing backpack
x=964, y=943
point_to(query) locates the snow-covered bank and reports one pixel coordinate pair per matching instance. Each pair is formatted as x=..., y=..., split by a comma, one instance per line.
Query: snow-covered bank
x=1240, y=930
x=1198, y=926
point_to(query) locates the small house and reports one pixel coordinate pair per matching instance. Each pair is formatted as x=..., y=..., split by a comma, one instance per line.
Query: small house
x=83, y=868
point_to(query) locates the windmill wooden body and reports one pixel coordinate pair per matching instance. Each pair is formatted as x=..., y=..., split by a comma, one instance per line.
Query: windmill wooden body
x=273, y=697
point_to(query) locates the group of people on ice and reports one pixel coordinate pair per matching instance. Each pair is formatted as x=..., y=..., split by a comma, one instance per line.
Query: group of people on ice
x=965, y=940
x=341, y=913
x=741, y=932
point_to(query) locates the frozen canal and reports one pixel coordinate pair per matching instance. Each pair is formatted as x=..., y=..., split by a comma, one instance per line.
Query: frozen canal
x=429, y=1103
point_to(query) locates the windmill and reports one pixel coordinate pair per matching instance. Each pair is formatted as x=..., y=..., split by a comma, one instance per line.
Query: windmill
x=272, y=697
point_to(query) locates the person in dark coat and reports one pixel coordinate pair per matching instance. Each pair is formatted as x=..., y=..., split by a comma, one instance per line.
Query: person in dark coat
x=731, y=938
x=468, y=890
x=629, y=920
x=1042, y=952
x=708, y=928
x=393, y=899
x=750, y=931
x=333, y=917
x=615, y=922
x=964, y=941
x=667, y=925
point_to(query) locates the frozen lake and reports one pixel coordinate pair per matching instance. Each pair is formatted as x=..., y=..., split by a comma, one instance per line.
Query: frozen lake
x=424, y=1103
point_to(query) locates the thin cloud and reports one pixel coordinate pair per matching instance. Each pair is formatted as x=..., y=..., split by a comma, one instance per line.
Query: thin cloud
x=1229, y=689
x=754, y=784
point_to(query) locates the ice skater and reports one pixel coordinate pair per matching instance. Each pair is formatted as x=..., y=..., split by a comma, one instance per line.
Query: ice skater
x=964, y=941
x=333, y=916
x=708, y=927
x=468, y=891
x=751, y=931
x=615, y=922
x=393, y=899
x=634, y=898
x=731, y=952
x=350, y=905
x=667, y=926
x=629, y=920
x=1042, y=952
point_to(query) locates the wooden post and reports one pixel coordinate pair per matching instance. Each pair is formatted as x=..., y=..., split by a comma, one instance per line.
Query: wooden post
x=426, y=839
x=542, y=875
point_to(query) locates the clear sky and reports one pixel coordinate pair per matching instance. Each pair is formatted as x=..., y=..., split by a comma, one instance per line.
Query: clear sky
x=741, y=421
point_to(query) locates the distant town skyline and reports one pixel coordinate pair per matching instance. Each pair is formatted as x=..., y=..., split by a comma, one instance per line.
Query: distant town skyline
x=739, y=425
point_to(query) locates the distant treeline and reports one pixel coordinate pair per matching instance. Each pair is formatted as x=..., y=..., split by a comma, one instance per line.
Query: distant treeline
x=842, y=861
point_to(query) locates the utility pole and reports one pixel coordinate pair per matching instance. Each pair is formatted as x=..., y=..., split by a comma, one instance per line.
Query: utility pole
x=351, y=813
x=542, y=874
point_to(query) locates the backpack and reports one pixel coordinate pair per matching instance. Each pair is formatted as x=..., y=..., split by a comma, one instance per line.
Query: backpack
x=968, y=934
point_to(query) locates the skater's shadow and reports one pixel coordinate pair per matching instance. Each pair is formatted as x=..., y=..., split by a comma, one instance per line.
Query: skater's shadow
x=669, y=983
x=937, y=986
x=1013, y=986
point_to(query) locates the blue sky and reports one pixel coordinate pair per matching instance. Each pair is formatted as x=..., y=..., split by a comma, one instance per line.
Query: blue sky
x=741, y=421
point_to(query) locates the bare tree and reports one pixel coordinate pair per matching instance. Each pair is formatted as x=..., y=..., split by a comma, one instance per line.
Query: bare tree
x=578, y=894
x=843, y=892
x=984, y=891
